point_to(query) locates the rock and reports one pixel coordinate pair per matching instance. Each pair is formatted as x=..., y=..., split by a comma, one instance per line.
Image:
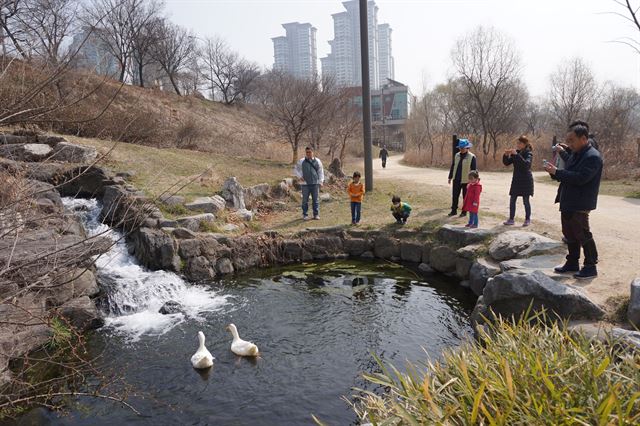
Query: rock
x=72, y=153
x=463, y=266
x=481, y=270
x=199, y=269
x=512, y=294
x=172, y=200
x=127, y=174
x=244, y=214
x=464, y=284
x=426, y=251
x=544, y=263
x=411, y=251
x=425, y=268
x=233, y=193
x=224, y=266
x=183, y=233
x=368, y=255
x=443, y=259
x=480, y=313
x=27, y=152
x=356, y=246
x=633, y=313
x=86, y=182
x=171, y=307
x=511, y=244
x=629, y=337
x=324, y=246
x=230, y=227
x=167, y=223
x=192, y=223
x=213, y=204
x=82, y=314
x=470, y=252
x=335, y=168
x=281, y=190
x=155, y=249
x=52, y=141
x=291, y=250
x=325, y=197
x=279, y=206
x=13, y=139
x=386, y=247
x=256, y=192
x=460, y=236
x=84, y=283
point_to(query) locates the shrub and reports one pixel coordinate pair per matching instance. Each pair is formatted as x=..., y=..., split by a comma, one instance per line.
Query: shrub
x=522, y=374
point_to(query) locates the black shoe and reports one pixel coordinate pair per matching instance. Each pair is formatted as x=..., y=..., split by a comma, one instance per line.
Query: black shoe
x=586, y=273
x=399, y=222
x=463, y=214
x=452, y=213
x=567, y=267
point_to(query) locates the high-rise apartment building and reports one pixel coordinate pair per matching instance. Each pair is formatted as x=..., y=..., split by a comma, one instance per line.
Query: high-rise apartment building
x=296, y=52
x=343, y=63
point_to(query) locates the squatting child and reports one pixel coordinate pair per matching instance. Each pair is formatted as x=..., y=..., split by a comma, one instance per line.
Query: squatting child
x=472, y=198
x=400, y=210
x=356, y=193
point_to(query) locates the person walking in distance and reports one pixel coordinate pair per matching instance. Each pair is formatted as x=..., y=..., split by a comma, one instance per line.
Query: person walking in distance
x=383, y=156
x=522, y=181
x=311, y=175
x=463, y=162
x=578, y=196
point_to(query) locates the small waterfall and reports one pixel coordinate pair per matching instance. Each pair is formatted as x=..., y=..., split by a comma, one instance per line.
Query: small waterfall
x=133, y=294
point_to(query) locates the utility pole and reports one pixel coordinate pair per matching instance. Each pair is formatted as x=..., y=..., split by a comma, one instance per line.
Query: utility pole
x=366, y=96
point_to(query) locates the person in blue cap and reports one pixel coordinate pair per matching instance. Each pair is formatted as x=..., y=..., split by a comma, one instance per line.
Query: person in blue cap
x=463, y=162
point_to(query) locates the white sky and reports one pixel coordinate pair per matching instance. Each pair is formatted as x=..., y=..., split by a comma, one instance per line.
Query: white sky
x=424, y=31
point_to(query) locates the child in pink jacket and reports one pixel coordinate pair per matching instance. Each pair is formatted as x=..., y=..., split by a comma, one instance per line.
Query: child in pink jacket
x=472, y=199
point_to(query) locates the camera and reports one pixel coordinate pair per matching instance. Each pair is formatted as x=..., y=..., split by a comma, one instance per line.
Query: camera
x=544, y=163
x=554, y=148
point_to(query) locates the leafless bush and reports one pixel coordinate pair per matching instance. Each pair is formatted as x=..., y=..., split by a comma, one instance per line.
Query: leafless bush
x=188, y=134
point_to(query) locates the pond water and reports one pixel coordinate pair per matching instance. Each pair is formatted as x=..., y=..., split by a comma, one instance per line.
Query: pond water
x=318, y=327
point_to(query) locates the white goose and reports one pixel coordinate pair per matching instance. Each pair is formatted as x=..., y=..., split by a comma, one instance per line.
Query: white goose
x=239, y=346
x=202, y=358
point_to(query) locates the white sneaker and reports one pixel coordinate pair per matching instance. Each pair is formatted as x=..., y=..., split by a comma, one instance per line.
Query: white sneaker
x=306, y=218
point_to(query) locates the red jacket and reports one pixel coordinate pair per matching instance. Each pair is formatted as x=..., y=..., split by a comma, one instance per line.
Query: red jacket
x=472, y=199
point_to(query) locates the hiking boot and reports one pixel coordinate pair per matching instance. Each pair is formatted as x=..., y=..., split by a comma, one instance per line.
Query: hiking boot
x=526, y=223
x=567, y=267
x=587, y=272
x=452, y=213
x=463, y=214
x=509, y=222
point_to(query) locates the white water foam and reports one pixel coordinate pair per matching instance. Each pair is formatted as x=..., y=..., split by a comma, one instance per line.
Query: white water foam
x=135, y=294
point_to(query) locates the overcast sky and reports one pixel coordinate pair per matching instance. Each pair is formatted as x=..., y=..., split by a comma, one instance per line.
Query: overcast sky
x=424, y=31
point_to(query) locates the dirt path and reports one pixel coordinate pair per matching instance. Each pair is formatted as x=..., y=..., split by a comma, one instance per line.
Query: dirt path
x=615, y=224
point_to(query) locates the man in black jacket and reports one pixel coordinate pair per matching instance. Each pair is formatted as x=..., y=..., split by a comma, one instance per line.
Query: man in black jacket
x=578, y=195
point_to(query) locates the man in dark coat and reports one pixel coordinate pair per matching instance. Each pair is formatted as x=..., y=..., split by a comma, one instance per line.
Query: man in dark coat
x=383, y=156
x=578, y=196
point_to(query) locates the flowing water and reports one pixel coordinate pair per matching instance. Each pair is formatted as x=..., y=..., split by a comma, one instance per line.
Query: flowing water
x=317, y=326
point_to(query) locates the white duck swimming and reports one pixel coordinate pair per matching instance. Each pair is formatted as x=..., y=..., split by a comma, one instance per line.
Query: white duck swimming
x=202, y=358
x=239, y=346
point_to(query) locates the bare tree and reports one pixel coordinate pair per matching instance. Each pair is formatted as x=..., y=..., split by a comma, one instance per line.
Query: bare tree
x=245, y=83
x=10, y=10
x=48, y=24
x=487, y=65
x=144, y=39
x=173, y=51
x=573, y=92
x=631, y=14
x=615, y=120
x=220, y=68
x=292, y=106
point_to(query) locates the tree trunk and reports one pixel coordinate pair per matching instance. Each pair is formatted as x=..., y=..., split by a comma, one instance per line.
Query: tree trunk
x=175, y=86
x=294, y=151
x=141, y=74
x=342, y=150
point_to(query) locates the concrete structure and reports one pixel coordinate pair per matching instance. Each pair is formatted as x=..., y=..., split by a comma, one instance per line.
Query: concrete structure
x=296, y=52
x=343, y=63
x=93, y=54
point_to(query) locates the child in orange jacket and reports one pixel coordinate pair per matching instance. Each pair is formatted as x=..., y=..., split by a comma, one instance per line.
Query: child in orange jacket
x=356, y=193
x=472, y=198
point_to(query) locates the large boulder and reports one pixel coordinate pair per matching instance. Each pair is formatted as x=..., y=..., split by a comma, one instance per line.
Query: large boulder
x=26, y=152
x=386, y=247
x=244, y=214
x=72, y=153
x=443, y=259
x=86, y=182
x=335, y=168
x=463, y=267
x=633, y=313
x=356, y=246
x=256, y=192
x=411, y=251
x=480, y=272
x=512, y=293
x=82, y=314
x=155, y=249
x=233, y=193
x=459, y=236
x=14, y=139
x=172, y=200
x=213, y=204
x=544, y=263
x=171, y=307
x=511, y=244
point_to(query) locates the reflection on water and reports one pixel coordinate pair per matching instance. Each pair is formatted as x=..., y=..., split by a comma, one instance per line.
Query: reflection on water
x=317, y=327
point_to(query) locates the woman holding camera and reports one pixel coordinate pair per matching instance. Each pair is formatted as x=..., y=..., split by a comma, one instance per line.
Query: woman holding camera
x=522, y=181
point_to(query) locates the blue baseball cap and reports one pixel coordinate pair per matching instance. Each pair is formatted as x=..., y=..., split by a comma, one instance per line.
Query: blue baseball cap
x=464, y=143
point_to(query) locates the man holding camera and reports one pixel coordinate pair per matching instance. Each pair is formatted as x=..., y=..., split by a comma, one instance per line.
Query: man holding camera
x=578, y=195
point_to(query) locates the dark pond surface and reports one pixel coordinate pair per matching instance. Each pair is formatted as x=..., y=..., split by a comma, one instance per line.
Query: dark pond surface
x=317, y=327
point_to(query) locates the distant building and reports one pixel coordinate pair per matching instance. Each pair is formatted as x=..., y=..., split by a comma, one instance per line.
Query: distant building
x=343, y=62
x=390, y=108
x=93, y=54
x=296, y=52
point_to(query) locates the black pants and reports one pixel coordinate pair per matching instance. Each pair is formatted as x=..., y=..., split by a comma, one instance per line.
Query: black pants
x=457, y=188
x=575, y=228
x=401, y=217
x=384, y=163
x=512, y=207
